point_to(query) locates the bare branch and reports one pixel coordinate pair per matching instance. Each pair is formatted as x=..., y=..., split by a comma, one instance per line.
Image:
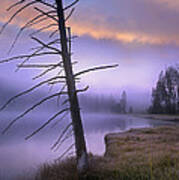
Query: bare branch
x=46, y=45
x=37, y=54
x=30, y=23
x=30, y=109
x=65, y=101
x=56, y=82
x=82, y=90
x=61, y=135
x=71, y=5
x=58, y=74
x=14, y=5
x=53, y=33
x=68, y=135
x=60, y=119
x=46, y=14
x=70, y=14
x=70, y=147
x=48, y=5
x=69, y=41
x=56, y=41
x=29, y=90
x=27, y=56
x=16, y=13
x=27, y=25
x=44, y=72
x=46, y=123
x=95, y=69
x=62, y=89
x=61, y=81
x=41, y=48
x=39, y=65
x=43, y=28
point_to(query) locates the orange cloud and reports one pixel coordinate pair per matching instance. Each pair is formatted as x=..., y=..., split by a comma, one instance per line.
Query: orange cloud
x=104, y=32
x=97, y=27
x=21, y=18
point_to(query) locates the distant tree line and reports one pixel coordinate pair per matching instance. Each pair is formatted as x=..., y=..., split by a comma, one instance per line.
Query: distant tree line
x=165, y=96
x=96, y=103
x=102, y=103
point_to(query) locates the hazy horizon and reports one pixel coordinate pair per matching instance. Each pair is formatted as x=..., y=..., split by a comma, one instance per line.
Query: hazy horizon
x=124, y=33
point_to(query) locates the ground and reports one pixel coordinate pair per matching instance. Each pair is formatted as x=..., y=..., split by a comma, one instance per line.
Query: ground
x=142, y=154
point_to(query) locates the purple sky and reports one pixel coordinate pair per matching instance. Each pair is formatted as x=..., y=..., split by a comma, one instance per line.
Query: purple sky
x=140, y=35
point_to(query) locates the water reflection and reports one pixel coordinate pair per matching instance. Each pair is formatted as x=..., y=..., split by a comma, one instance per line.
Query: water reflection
x=18, y=155
x=98, y=125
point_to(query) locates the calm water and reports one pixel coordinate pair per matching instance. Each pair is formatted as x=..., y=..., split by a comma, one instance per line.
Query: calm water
x=18, y=156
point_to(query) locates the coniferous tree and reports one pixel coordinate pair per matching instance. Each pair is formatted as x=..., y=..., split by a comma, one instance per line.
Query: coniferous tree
x=165, y=95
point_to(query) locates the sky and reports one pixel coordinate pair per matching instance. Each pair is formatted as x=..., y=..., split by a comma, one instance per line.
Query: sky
x=141, y=36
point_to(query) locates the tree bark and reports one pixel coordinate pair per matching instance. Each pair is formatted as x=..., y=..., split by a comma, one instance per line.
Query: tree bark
x=80, y=145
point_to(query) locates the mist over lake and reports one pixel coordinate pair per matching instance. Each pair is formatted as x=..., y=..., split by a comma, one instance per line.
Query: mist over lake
x=18, y=156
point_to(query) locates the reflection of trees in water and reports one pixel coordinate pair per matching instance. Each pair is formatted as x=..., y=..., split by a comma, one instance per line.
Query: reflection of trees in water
x=123, y=124
x=106, y=122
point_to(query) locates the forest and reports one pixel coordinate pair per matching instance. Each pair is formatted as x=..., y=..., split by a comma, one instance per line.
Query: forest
x=165, y=96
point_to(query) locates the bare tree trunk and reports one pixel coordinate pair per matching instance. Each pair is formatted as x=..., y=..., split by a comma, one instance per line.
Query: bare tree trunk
x=80, y=145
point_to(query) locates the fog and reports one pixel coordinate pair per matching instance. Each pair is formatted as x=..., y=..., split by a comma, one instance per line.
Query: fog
x=18, y=156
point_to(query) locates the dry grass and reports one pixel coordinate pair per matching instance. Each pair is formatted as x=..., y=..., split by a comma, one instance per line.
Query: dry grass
x=146, y=154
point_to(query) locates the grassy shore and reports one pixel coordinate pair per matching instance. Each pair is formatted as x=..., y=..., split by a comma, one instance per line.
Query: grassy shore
x=159, y=117
x=142, y=154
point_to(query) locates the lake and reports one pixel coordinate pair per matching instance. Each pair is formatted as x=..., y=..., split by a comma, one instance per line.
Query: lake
x=18, y=156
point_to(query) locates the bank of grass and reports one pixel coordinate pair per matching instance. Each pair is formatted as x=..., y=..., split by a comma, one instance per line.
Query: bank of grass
x=143, y=154
x=159, y=117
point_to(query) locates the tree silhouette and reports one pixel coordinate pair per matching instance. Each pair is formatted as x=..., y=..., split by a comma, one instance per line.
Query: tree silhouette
x=54, y=15
x=123, y=102
x=165, y=96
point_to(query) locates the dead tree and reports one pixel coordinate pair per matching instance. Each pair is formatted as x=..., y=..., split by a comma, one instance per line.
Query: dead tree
x=53, y=14
x=82, y=160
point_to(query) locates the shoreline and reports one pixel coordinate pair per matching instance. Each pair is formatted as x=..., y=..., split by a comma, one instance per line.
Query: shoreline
x=146, y=153
x=164, y=117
